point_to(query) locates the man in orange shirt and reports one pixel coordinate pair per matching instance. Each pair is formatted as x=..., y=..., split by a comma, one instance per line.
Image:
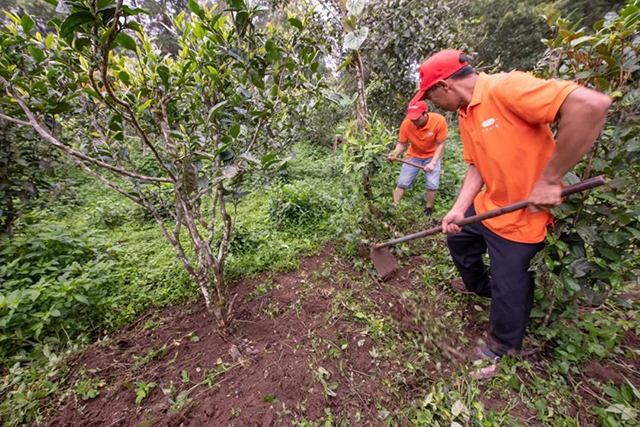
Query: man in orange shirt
x=508, y=145
x=425, y=133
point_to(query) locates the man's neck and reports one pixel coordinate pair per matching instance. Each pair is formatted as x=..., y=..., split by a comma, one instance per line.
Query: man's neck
x=424, y=124
x=465, y=88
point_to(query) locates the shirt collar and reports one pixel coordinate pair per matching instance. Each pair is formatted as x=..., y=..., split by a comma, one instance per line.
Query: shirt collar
x=478, y=90
x=476, y=97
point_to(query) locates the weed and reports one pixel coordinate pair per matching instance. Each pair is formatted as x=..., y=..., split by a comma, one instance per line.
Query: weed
x=322, y=376
x=262, y=289
x=143, y=390
x=272, y=310
x=177, y=400
x=152, y=354
x=88, y=389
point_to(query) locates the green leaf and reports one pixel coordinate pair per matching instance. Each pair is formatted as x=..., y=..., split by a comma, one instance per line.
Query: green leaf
x=195, y=8
x=295, y=22
x=82, y=299
x=349, y=24
x=91, y=92
x=616, y=281
x=75, y=20
x=588, y=233
x=581, y=40
x=145, y=106
x=104, y=3
x=126, y=41
x=48, y=42
x=235, y=130
x=134, y=26
x=27, y=23
x=355, y=39
x=216, y=108
x=267, y=159
x=569, y=282
x=580, y=267
x=124, y=77
x=129, y=11
x=345, y=63
x=635, y=232
x=614, y=239
x=355, y=7
x=626, y=413
x=36, y=53
x=163, y=72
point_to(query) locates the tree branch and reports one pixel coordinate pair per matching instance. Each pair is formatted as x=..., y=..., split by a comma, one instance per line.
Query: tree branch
x=33, y=122
x=11, y=119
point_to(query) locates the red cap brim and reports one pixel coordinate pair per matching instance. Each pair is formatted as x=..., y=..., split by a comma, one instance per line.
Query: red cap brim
x=420, y=96
x=414, y=115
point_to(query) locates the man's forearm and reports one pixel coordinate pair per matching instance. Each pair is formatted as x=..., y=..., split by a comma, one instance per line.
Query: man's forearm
x=400, y=148
x=580, y=120
x=438, y=152
x=472, y=185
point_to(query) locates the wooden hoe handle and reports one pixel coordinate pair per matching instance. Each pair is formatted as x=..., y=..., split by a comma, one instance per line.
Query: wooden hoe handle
x=587, y=184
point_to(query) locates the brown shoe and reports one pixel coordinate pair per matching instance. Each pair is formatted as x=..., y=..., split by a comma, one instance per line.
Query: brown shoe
x=458, y=286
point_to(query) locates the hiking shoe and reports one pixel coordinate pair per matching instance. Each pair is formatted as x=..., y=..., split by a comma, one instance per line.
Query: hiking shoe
x=428, y=211
x=486, y=353
x=458, y=286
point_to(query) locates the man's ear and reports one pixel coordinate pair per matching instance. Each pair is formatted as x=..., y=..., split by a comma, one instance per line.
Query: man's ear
x=442, y=84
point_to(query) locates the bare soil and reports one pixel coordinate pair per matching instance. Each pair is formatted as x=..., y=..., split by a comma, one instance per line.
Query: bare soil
x=288, y=351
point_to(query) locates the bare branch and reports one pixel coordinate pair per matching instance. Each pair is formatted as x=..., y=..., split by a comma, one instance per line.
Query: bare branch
x=107, y=182
x=11, y=119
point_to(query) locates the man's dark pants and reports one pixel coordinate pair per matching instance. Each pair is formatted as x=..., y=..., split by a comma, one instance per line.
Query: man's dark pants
x=510, y=285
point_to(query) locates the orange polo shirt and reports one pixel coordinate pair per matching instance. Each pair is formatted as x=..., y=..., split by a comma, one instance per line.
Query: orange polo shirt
x=423, y=141
x=506, y=135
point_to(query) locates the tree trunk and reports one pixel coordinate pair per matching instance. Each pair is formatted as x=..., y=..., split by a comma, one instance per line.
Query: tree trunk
x=361, y=111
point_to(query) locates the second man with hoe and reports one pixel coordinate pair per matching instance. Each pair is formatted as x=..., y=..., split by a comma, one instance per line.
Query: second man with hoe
x=426, y=134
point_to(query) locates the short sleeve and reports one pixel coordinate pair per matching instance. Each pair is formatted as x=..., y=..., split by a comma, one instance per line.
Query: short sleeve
x=532, y=99
x=404, y=133
x=441, y=130
x=467, y=144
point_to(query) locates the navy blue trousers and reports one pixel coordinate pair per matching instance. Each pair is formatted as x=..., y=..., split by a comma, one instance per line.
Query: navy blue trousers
x=509, y=283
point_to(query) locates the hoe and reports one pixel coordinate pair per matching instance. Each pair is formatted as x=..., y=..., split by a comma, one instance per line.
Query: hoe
x=385, y=263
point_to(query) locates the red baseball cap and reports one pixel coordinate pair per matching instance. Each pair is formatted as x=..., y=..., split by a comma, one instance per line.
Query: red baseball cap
x=439, y=66
x=414, y=111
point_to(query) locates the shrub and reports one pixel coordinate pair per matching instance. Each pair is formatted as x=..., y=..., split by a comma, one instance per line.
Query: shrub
x=54, y=285
x=299, y=207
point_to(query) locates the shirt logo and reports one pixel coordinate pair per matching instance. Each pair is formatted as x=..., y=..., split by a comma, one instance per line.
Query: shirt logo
x=490, y=124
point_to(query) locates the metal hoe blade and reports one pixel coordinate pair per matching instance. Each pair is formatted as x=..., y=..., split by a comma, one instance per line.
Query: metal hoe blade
x=384, y=261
